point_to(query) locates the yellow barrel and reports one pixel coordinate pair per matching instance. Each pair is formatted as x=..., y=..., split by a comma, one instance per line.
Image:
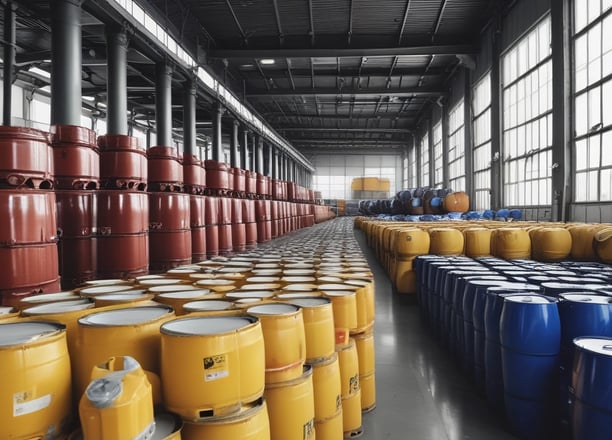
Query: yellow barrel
x=167, y=427
x=211, y=365
x=446, y=241
x=162, y=281
x=158, y=290
x=35, y=396
x=259, y=295
x=511, y=243
x=411, y=242
x=326, y=385
x=211, y=307
x=602, y=241
x=217, y=285
x=8, y=314
x=260, y=287
x=291, y=408
x=262, y=280
x=349, y=368
x=132, y=331
x=367, y=383
x=121, y=298
x=405, y=278
x=176, y=300
x=365, y=303
x=118, y=402
x=345, y=313
x=351, y=415
x=250, y=423
x=285, y=340
x=330, y=428
x=43, y=298
x=477, y=242
x=550, y=244
x=364, y=343
x=318, y=325
x=582, y=241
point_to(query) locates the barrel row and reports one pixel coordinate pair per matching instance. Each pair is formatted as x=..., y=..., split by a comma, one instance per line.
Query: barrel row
x=296, y=385
x=524, y=333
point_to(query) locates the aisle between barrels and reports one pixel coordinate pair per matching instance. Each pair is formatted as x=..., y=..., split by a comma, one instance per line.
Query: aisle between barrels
x=421, y=393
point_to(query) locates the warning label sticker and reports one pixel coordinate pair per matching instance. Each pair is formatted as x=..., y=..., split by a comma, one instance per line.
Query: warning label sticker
x=215, y=367
x=23, y=404
x=309, y=432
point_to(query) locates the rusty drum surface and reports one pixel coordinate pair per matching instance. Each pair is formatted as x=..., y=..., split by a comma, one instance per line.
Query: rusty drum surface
x=251, y=183
x=26, y=158
x=217, y=176
x=76, y=159
x=169, y=230
x=123, y=164
x=239, y=181
x=194, y=174
x=164, y=168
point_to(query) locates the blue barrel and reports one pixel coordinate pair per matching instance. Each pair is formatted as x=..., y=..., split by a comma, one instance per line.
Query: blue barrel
x=582, y=314
x=556, y=288
x=582, y=280
x=591, y=408
x=530, y=334
x=420, y=267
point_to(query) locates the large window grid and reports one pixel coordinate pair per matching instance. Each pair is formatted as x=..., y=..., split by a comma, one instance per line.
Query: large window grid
x=425, y=177
x=412, y=167
x=527, y=122
x=438, y=155
x=481, y=109
x=592, y=85
x=456, y=147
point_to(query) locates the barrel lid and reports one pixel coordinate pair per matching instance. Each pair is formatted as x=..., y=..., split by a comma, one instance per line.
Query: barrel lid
x=582, y=280
x=233, y=270
x=247, y=301
x=102, y=290
x=204, y=325
x=559, y=285
x=215, y=282
x=360, y=283
x=59, y=307
x=298, y=272
x=586, y=297
x=121, y=297
x=328, y=279
x=298, y=279
x=161, y=281
x=267, y=272
x=266, y=265
x=183, y=271
x=207, y=305
x=241, y=294
x=336, y=287
x=273, y=309
x=50, y=297
x=238, y=263
x=310, y=302
x=300, y=287
x=127, y=316
x=166, y=424
x=509, y=285
x=17, y=333
x=173, y=288
x=301, y=266
x=185, y=294
x=261, y=286
x=339, y=293
x=529, y=299
x=6, y=310
x=596, y=345
x=109, y=281
x=149, y=277
x=259, y=279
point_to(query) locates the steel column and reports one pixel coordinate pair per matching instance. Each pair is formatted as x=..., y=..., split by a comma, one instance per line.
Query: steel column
x=267, y=159
x=116, y=71
x=468, y=140
x=496, y=123
x=163, y=104
x=445, y=146
x=65, y=62
x=189, y=118
x=217, y=133
x=234, y=157
x=244, y=149
x=10, y=47
x=253, y=150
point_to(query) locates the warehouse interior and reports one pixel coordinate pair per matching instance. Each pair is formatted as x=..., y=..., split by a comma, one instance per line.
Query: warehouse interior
x=232, y=132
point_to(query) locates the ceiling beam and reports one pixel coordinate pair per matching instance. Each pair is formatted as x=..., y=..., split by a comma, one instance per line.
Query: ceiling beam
x=323, y=92
x=236, y=22
x=348, y=130
x=281, y=35
x=433, y=49
x=315, y=141
x=438, y=20
x=405, y=115
x=346, y=72
x=401, y=32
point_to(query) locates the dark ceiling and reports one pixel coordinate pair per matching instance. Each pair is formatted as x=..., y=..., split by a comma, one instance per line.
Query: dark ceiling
x=345, y=73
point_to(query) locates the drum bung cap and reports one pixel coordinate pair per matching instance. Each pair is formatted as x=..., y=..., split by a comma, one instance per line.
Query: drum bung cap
x=104, y=391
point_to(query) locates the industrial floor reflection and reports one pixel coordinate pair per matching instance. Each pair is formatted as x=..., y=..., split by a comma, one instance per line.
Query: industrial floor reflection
x=421, y=392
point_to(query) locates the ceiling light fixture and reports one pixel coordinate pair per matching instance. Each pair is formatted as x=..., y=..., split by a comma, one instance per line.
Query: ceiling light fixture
x=267, y=61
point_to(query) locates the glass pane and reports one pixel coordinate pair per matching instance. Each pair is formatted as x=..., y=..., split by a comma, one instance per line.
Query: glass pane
x=581, y=62
x=581, y=187
x=606, y=149
x=594, y=151
x=580, y=15
x=581, y=155
x=582, y=115
x=606, y=185
x=607, y=103
x=594, y=108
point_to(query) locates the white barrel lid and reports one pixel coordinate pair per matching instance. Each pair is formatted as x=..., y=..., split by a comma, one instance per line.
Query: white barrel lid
x=586, y=297
x=59, y=307
x=204, y=325
x=107, y=281
x=208, y=305
x=294, y=295
x=267, y=272
x=300, y=287
x=261, y=286
x=273, y=309
x=298, y=279
x=182, y=271
x=238, y=263
x=248, y=300
x=596, y=345
x=102, y=290
x=339, y=293
x=267, y=265
x=360, y=283
x=17, y=333
x=241, y=294
x=236, y=271
x=328, y=279
x=172, y=288
x=149, y=277
x=262, y=279
x=336, y=287
x=127, y=316
x=50, y=297
x=311, y=302
x=165, y=424
x=6, y=310
x=127, y=296
x=215, y=282
x=298, y=272
x=299, y=266
x=528, y=299
x=161, y=281
x=185, y=294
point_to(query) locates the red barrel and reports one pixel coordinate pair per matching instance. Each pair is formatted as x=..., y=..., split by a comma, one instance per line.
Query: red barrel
x=76, y=222
x=238, y=227
x=226, y=246
x=198, y=243
x=251, y=235
x=123, y=224
x=211, y=211
x=263, y=183
x=275, y=210
x=212, y=241
x=76, y=160
x=13, y=297
x=225, y=211
x=194, y=174
x=197, y=210
x=264, y=231
x=248, y=211
x=169, y=230
x=217, y=177
x=123, y=165
x=26, y=158
x=292, y=193
x=165, y=169
x=263, y=210
x=239, y=182
x=251, y=183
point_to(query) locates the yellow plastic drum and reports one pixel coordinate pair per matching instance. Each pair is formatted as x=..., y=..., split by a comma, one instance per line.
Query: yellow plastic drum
x=132, y=331
x=330, y=428
x=121, y=299
x=551, y=244
x=477, y=242
x=602, y=242
x=8, y=314
x=349, y=368
x=365, y=303
x=35, y=396
x=318, y=325
x=291, y=408
x=105, y=289
x=167, y=427
x=118, y=402
x=326, y=385
x=285, y=340
x=446, y=241
x=250, y=423
x=178, y=299
x=211, y=307
x=511, y=243
x=43, y=298
x=211, y=365
x=344, y=304
x=365, y=351
x=368, y=391
x=351, y=415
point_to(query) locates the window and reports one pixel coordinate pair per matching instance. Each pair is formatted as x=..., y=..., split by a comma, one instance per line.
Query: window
x=527, y=120
x=438, y=155
x=425, y=178
x=405, y=172
x=481, y=109
x=592, y=44
x=456, y=147
x=412, y=168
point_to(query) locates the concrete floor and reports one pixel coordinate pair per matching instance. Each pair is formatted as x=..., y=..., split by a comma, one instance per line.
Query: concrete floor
x=421, y=394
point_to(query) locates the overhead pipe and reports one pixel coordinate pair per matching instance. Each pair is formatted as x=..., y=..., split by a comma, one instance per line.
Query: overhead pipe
x=163, y=104
x=66, y=62
x=116, y=71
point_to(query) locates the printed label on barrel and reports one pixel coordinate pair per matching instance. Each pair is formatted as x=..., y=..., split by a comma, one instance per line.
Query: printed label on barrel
x=22, y=404
x=215, y=367
x=309, y=432
x=354, y=384
x=338, y=402
x=341, y=336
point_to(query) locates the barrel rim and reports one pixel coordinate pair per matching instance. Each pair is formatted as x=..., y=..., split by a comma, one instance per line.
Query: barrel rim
x=165, y=330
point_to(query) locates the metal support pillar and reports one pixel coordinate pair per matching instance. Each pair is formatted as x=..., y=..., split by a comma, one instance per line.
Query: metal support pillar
x=432, y=165
x=189, y=118
x=561, y=80
x=267, y=159
x=234, y=158
x=163, y=104
x=445, y=146
x=217, y=133
x=116, y=71
x=10, y=46
x=244, y=149
x=496, y=122
x=253, y=151
x=468, y=140
x=65, y=62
